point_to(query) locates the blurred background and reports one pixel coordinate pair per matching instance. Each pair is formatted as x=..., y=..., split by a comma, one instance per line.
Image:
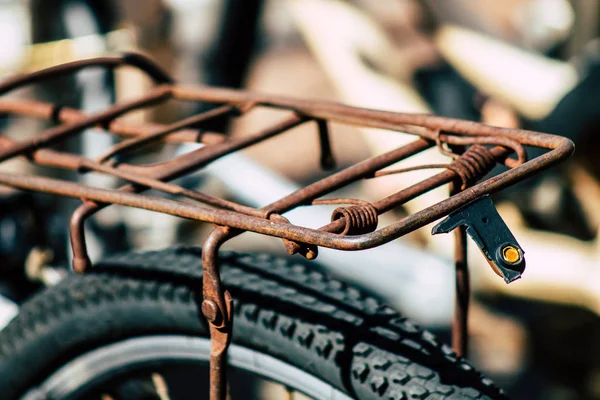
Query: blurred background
x=531, y=64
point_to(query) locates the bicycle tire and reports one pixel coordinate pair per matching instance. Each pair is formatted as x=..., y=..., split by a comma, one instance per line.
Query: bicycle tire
x=285, y=308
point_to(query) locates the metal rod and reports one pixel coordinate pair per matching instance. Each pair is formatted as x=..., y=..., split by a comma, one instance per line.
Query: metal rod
x=154, y=136
x=50, y=112
x=424, y=125
x=217, y=307
x=346, y=176
x=327, y=159
x=460, y=328
x=64, y=131
x=139, y=61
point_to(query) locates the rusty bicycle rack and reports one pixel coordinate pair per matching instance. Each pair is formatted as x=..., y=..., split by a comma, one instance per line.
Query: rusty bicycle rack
x=475, y=149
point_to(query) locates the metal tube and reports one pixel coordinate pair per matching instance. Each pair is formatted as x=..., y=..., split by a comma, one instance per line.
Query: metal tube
x=64, y=131
x=217, y=307
x=460, y=326
x=160, y=133
x=38, y=109
x=348, y=175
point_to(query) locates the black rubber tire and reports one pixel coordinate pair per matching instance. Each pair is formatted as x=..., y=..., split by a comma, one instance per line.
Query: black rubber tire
x=284, y=307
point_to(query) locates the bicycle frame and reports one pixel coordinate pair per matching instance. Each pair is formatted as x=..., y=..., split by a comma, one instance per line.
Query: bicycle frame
x=353, y=227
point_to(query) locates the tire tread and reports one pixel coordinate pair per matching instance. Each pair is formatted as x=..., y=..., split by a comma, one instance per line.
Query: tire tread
x=287, y=308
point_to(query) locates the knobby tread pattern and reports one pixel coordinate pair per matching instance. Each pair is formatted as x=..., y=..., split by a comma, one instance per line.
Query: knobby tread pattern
x=284, y=307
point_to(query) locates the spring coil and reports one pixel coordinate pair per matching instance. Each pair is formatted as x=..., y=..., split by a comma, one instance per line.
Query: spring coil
x=360, y=219
x=473, y=165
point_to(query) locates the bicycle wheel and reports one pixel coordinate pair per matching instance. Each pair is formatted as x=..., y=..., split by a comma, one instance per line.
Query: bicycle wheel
x=293, y=325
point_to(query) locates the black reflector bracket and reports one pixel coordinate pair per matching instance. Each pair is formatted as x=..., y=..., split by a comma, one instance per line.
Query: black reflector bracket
x=490, y=233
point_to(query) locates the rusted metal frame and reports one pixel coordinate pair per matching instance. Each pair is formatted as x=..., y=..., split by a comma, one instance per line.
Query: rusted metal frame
x=51, y=112
x=320, y=110
x=81, y=260
x=396, y=171
x=500, y=153
x=157, y=184
x=310, y=193
x=196, y=159
x=545, y=159
x=281, y=206
x=425, y=125
x=66, y=114
x=387, y=120
x=188, y=161
x=148, y=66
x=540, y=139
x=289, y=231
x=170, y=188
x=74, y=162
x=406, y=194
x=410, y=123
x=346, y=176
x=167, y=171
x=217, y=307
x=378, y=118
x=327, y=160
x=329, y=184
x=460, y=326
x=505, y=142
x=136, y=143
x=62, y=132
x=201, y=157
x=339, y=223
x=421, y=218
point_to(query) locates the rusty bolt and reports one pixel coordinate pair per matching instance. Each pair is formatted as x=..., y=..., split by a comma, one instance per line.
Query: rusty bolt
x=211, y=311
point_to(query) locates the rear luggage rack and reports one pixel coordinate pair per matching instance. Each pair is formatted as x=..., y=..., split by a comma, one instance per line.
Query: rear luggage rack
x=474, y=148
x=353, y=228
